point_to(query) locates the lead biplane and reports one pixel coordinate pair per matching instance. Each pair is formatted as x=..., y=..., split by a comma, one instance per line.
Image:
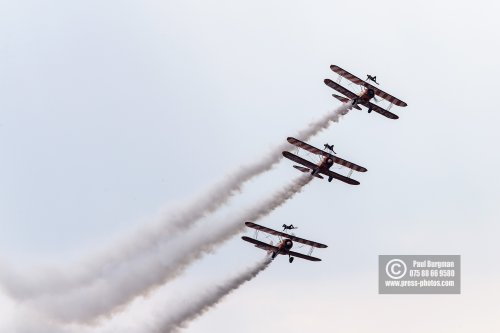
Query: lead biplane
x=324, y=166
x=284, y=245
x=365, y=96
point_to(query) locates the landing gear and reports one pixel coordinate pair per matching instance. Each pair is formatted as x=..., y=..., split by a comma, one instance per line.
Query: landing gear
x=273, y=255
x=370, y=110
x=290, y=260
x=354, y=101
x=330, y=179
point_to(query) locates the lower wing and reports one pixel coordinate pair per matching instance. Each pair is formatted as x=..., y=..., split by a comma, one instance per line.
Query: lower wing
x=303, y=256
x=259, y=244
x=335, y=175
x=380, y=110
x=299, y=160
x=301, y=168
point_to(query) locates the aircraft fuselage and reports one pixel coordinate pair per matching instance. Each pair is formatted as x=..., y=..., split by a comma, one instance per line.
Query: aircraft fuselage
x=366, y=95
x=283, y=247
x=325, y=164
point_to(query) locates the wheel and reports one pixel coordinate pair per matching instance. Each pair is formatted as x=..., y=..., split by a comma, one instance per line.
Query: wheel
x=330, y=179
x=369, y=110
x=290, y=259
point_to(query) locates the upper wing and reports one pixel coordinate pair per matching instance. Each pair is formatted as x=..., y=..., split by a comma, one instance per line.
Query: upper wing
x=306, y=146
x=303, y=256
x=357, y=80
x=347, y=75
x=340, y=89
x=380, y=110
x=317, y=151
x=348, y=164
x=282, y=234
x=259, y=244
x=335, y=175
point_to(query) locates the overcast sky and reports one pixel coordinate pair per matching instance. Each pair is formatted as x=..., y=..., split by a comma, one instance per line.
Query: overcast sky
x=112, y=110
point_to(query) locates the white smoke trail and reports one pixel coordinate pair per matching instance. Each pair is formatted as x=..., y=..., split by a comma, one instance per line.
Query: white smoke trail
x=169, y=222
x=203, y=302
x=153, y=269
x=17, y=318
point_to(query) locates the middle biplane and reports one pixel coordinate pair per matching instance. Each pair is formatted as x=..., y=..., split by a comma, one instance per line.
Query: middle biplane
x=284, y=245
x=324, y=166
x=365, y=96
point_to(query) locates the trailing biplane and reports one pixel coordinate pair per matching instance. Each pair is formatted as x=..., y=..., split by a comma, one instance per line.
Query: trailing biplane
x=324, y=166
x=284, y=245
x=369, y=91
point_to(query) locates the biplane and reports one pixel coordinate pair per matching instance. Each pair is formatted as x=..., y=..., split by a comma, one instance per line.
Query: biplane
x=284, y=245
x=364, y=97
x=323, y=167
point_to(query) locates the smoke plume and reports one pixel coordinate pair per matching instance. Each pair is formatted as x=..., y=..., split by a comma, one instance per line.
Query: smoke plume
x=154, y=268
x=169, y=222
x=203, y=302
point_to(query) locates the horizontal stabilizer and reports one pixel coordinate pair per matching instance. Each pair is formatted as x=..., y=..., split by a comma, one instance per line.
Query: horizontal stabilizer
x=301, y=168
x=346, y=100
x=317, y=175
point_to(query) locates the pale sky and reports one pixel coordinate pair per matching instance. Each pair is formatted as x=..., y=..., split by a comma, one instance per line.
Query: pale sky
x=112, y=110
